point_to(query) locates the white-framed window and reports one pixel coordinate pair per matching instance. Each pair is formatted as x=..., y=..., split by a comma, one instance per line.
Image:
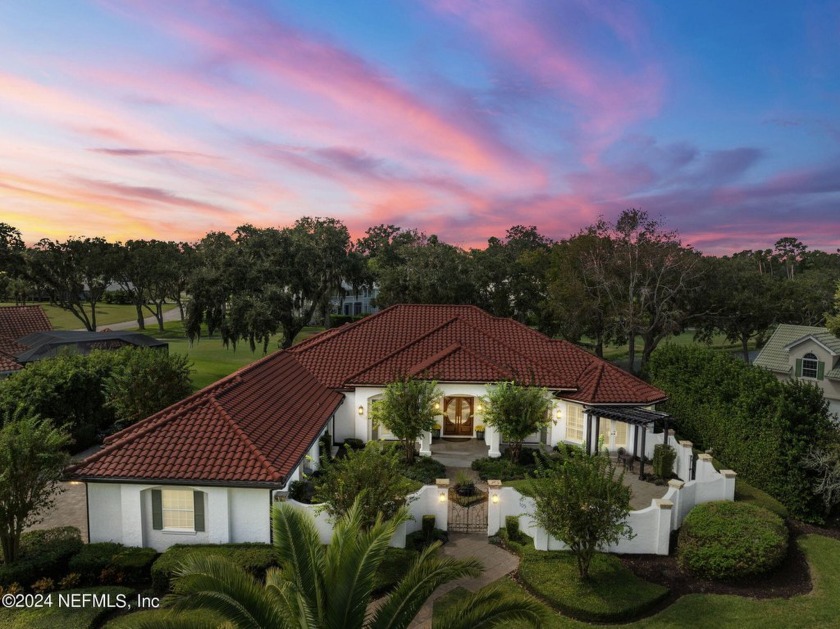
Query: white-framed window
x=810, y=364
x=574, y=423
x=178, y=508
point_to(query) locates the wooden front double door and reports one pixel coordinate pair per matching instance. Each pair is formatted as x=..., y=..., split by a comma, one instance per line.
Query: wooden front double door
x=458, y=416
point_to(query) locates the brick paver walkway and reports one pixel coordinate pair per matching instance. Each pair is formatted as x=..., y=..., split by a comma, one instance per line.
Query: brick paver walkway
x=497, y=563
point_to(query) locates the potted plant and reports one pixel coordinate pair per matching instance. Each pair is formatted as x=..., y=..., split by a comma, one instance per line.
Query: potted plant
x=436, y=431
x=479, y=432
x=464, y=484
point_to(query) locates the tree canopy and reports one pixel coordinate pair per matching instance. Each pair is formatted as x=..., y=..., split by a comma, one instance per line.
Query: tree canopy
x=516, y=411
x=407, y=409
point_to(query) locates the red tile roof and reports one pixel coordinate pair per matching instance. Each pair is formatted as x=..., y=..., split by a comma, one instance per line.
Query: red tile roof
x=251, y=428
x=463, y=344
x=15, y=323
x=255, y=426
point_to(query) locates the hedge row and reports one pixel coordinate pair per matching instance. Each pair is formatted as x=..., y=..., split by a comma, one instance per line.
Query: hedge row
x=755, y=424
x=255, y=558
x=44, y=554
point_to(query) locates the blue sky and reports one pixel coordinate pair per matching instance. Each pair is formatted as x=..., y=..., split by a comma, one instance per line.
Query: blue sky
x=166, y=120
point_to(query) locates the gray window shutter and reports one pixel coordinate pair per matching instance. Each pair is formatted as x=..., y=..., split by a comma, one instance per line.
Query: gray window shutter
x=157, y=510
x=198, y=505
x=798, y=367
x=820, y=370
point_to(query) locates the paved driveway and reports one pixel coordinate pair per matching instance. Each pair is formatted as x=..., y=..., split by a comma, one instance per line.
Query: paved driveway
x=70, y=510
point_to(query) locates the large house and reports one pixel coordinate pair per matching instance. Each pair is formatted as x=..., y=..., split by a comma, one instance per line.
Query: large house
x=17, y=322
x=207, y=468
x=806, y=352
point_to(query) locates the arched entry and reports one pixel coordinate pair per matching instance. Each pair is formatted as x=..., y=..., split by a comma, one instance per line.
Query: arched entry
x=458, y=415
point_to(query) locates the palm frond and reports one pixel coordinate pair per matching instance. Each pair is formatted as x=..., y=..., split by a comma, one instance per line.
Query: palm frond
x=171, y=620
x=353, y=560
x=428, y=572
x=218, y=585
x=301, y=554
x=491, y=607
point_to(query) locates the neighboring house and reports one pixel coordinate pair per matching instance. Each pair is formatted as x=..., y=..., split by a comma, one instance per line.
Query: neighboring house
x=15, y=323
x=351, y=302
x=26, y=335
x=806, y=352
x=207, y=468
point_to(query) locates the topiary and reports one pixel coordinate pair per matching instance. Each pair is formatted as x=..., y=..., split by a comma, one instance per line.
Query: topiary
x=731, y=540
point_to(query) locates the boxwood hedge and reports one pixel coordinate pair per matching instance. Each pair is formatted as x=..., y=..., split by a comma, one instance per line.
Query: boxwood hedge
x=731, y=540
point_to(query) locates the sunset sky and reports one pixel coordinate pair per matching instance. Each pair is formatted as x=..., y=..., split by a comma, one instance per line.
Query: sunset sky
x=154, y=119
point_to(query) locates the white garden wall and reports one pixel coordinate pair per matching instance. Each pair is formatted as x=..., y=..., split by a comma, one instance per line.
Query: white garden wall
x=652, y=526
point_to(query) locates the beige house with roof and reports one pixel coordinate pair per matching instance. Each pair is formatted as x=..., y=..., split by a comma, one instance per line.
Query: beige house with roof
x=807, y=352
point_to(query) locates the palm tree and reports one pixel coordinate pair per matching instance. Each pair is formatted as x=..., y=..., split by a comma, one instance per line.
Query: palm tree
x=329, y=587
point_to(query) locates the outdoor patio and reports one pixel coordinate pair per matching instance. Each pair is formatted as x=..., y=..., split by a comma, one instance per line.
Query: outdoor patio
x=458, y=454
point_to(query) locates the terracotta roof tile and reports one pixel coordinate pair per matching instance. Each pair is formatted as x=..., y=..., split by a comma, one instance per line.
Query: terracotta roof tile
x=253, y=427
x=18, y=321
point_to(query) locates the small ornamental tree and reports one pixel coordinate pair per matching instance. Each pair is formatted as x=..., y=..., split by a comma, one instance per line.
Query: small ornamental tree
x=583, y=503
x=144, y=381
x=373, y=476
x=32, y=457
x=516, y=411
x=407, y=409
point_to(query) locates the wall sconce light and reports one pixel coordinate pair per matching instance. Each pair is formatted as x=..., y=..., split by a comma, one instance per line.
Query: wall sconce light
x=361, y=410
x=495, y=499
x=437, y=406
x=558, y=414
x=479, y=408
x=74, y=482
x=442, y=497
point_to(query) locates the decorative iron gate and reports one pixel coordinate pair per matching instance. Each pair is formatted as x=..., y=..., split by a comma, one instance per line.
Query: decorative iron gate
x=469, y=517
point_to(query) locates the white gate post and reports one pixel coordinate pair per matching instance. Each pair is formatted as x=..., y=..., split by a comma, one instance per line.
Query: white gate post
x=494, y=507
x=441, y=509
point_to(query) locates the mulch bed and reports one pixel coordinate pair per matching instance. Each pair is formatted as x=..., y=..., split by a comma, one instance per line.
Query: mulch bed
x=791, y=578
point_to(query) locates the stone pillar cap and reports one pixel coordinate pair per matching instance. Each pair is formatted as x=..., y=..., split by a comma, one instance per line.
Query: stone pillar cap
x=729, y=473
x=663, y=504
x=676, y=483
x=442, y=482
x=686, y=444
x=705, y=457
x=494, y=484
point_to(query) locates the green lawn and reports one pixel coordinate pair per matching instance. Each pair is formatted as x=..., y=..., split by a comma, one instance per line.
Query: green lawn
x=106, y=314
x=211, y=359
x=818, y=608
x=63, y=617
x=617, y=352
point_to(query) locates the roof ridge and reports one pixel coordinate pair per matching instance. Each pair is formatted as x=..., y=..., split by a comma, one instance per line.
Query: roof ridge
x=402, y=348
x=237, y=429
x=492, y=363
x=319, y=338
x=431, y=360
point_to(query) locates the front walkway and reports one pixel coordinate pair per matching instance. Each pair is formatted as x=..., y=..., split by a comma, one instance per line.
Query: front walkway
x=496, y=561
x=458, y=452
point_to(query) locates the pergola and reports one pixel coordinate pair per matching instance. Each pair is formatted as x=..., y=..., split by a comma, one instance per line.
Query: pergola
x=633, y=415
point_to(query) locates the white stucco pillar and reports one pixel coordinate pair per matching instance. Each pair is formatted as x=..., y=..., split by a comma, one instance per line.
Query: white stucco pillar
x=728, y=484
x=441, y=504
x=676, y=498
x=663, y=537
x=494, y=507
x=314, y=455
x=426, y=443
x=684, y=456
x=494, y=438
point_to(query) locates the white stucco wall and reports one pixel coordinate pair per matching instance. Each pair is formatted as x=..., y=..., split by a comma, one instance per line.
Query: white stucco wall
x=250, y=515
x=105, y=512
x=123, y=513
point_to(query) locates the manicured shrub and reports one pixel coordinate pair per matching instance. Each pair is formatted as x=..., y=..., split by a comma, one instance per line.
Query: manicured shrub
x=255, y=558
x=417, y=540
x=731, y=540
x=302, y=491
x=72, y=580
x=512, y=527
x=134, y=564
x=93, y=558
x=354, y=444
x=43, y=554
x=43, y=585
x=498, y=469
x=663, y=460
x=428, y=526
x=425, y=470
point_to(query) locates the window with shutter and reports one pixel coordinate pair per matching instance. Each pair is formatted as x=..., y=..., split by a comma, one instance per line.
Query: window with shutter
x=178, y=509
x=810, y=366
